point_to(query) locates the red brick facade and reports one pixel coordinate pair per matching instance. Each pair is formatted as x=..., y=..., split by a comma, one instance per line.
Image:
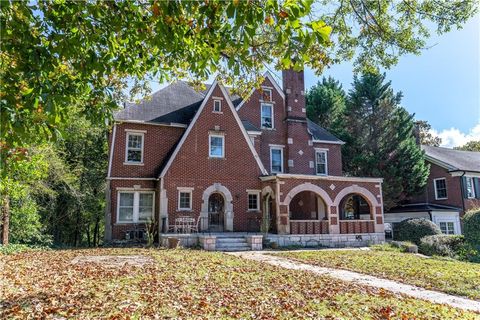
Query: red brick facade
x=176, y=157
x=455, y=197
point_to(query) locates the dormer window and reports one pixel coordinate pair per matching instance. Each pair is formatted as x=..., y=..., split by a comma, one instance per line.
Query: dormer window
x=267, y=116
x=266, y=94
x=217, y=106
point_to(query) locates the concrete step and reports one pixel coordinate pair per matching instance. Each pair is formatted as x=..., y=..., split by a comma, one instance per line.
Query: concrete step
x=231, y=240
x=232, y=244
x=243, y=248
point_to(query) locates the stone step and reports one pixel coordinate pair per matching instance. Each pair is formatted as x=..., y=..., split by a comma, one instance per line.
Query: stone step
x=231, y=240
x=243, y=248
x=232, y=244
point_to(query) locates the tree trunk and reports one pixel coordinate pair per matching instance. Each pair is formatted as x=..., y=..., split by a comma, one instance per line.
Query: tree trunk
x=5, y=219
x=96, y=231
x=89, y=243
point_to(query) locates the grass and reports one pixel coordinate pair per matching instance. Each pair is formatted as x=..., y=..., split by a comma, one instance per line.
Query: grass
x=189, y=284
x=447, y=275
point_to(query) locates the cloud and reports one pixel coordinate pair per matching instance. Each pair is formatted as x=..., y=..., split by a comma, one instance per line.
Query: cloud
x=454, y=138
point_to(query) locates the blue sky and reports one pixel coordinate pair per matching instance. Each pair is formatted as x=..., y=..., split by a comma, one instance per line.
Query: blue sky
x=442, y=85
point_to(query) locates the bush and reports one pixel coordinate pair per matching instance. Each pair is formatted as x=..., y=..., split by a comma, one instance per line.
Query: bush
x=471, y=227
x=19, y=248
x=415, y=229
x=396, y=246
x=442, y=245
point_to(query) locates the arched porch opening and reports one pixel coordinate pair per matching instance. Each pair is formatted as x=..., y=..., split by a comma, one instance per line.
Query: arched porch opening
x=355, y=207
x=307, y=205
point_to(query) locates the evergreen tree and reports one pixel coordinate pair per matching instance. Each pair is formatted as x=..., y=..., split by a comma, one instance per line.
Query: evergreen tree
x=325, y=103
x=380, y=140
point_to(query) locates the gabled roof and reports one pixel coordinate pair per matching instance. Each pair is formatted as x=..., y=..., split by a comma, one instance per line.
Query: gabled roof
x=199, y=110
x=453, y=160
x=320, y=134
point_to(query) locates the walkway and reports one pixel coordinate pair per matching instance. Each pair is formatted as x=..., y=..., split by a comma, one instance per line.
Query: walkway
x=363, y=279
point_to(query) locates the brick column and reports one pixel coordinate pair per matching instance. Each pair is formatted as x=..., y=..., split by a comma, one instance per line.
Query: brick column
x=283, y=221
x=333, y=218
x=378, y=220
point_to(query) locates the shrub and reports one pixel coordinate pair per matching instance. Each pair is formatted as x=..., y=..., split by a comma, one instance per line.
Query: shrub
x=13, y=248
x=396, y=246
x=415, y=229
x=471, y=227
x=442, y=245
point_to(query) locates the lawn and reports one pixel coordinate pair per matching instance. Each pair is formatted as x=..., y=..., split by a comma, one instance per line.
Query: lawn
x=189, y=284
x=450, y=276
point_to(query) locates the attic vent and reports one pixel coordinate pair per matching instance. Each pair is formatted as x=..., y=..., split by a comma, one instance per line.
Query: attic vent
x=217, y=128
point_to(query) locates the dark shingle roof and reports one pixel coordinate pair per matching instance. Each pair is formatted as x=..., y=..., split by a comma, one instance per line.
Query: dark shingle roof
x=176, y=103
x=422, y=207
x=249, y=126
x=319, y=133
x=454, y=160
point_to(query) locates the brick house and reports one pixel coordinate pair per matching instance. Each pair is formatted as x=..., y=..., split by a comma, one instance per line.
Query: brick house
x=220, y=164
x=453, y=188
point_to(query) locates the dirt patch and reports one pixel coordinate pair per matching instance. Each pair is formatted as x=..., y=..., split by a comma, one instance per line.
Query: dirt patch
x=114, y=261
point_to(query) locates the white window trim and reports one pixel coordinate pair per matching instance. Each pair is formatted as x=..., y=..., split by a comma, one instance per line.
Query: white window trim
x=210, y=136
x=136, y=205
x=446, y=223
x=134, y=133
x=281, y=160
x=473, y=187
x=184, y=190
x=265, y=89
x=435, y=188
x=273, y=121
x=257, y=193
x=220, y=105
x=326, y=162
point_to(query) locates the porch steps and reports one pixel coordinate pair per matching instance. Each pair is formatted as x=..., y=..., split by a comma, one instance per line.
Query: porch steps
x=232, y=244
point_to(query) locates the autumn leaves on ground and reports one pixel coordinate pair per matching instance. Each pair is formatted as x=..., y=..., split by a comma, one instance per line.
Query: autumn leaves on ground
x=187, y=284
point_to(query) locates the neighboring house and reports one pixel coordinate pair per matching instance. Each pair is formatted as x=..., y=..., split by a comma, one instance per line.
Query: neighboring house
x=229, y=164
x=453, y=188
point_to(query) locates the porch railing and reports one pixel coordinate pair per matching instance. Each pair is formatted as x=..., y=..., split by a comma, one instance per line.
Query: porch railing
x=357, y=226
x=309, y=227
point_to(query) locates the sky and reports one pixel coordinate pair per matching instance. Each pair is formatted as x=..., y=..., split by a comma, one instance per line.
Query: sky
x=442, y=85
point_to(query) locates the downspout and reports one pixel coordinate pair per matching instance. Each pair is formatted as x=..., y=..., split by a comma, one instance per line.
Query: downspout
x=108, y=191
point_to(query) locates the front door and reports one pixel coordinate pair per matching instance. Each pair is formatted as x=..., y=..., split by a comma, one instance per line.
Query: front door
x=216, y=212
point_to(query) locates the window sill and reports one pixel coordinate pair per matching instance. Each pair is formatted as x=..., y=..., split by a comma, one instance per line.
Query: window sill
x=253, y=211
x=184, y=210
x=218, y=158
x=133, y=164
x=268, y=129
x=322, y=174
x=441, y=198
x=217, y=112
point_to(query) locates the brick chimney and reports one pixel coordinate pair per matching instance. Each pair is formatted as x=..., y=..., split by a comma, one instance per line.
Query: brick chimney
x=294, y=88
x=299, y=149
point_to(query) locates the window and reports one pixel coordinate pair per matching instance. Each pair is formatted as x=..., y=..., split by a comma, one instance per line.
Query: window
x=253, y=201
x=266, y=94
x=469, y=187
x=440, y=188
x=217, y=106
x=267, y=116
x=321, y=162
x=134, y=152
x=135, y=206
x=185, y=200
x=217, y=144
x=447, y=227
x=276, y=160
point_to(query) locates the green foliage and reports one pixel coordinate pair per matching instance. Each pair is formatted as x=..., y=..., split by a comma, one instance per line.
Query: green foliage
x=441, y=245
x=379, y=139
x=447, y=275
x=325, y=103
x=415, y=229
x=14, y=248
x=425, y=136
x=62, y=56
x=470, y=146
x=471, y=227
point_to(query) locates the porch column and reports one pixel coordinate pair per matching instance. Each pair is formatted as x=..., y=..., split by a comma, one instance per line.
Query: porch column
x=163, y=210
x=334, y=220
x=378, y=220
x=283, y=221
